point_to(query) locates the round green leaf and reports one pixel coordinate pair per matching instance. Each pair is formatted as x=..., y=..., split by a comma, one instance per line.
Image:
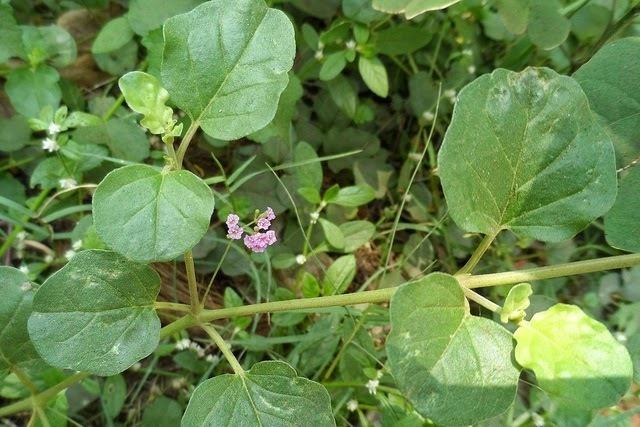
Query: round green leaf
x=575, y=358
x=611, y=80
x=270, y=394
x=525, y=153
x=225, y=63
x=148, y=215
x=96, y=314
x=30, y=90
x=114, y=35
x=16, y=298
x=622, y=222
x=411, y=8
x=455, y=368
x=548, y=28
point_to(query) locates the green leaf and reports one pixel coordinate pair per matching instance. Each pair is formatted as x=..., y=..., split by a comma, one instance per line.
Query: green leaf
x=360, y=11
x=148, y=215
x=310, y=174
x=147, y=15
x=374, y=75
x=114, y=35
x=516, y=302
x=536, y=163
x=548, y=28
x=514, y=14
x=622, y=222
x=455, y=368
x=280, y=127
x=344, y=95
x=144, y=95
x=125, y=139
x=114, y=393
x=15, y=133
x=611, y=80
x=332, y=233
x=51, y=43
x=96, y=314
x=354, y=196
x=575, y=358
x=10, y=35
x=16, y=298
x=310, y=286
x=118, y=62
x=411, y=8
x=333, y=65
x=270, y=394
x=236, y=55
x=162, y=412
x=48, y=173
x=339, y=275
x=401, y=39
x=30, y=90
x=356, y=234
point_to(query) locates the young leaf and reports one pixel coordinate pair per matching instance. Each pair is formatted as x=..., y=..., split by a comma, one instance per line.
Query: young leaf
x=144, y=95
x=514, y=14
x=611, y=80
x=374, y=75
x=332, y=233
x=344, y=95
x=515, y=304
x=333, y=65
x=96, y=314
x=225, y=63
x=114, y=35
x=411, y=8
x=148, y=215
x=339, y=275
x=401, y=39
x=16, y=298
x=270, y=394
x=548, y=28
x=575, y=358
x=354, y=196
x=537, y=161
x=31, y=90
x=455, y=368
x=622, y=222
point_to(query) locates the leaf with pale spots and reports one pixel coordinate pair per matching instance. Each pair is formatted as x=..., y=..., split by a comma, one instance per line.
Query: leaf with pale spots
x=456, y=369
x=524, y=152
x=96, y=314
x=575, y=358
x=270, y=394
x=16, y=298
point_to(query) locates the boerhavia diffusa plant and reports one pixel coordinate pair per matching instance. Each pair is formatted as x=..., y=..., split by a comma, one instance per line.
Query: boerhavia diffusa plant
x=529, y=158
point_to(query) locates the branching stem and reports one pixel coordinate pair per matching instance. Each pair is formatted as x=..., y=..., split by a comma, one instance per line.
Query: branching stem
x=193, y=284
x=224, y=348
x=477, y=254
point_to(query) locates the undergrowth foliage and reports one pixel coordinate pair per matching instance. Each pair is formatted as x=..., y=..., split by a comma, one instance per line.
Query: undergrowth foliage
x=533, y=154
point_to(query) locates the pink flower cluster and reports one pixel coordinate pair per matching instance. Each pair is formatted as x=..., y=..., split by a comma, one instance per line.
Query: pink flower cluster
x=258, y=241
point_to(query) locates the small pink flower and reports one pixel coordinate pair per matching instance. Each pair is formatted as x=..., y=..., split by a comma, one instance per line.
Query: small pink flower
x=264, y=221
x=234, y=230
x=259, y=242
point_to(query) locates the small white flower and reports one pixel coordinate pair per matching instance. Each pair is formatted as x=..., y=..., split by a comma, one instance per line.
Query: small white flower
x=320, y=45
x=53, y=129
x=620, y=336
x=24, y=268
x=196, y=347
x=467, y=52
x=67, y=183
x=183, y=344
x=351, y=44
x=451, y=94
x=319, y=55
x=379, y=374
x=301, y=259
x=21, y=236
x=136, y=367
x=372, y=386
x=77, y=245
x=26, y=286
x=314, y=217
x=471, y=69
x=210, y=358
x=48, y=259
x=538, y=421
x=428, y=116
x=69, y=254
x=352, y=405
x=50, y=145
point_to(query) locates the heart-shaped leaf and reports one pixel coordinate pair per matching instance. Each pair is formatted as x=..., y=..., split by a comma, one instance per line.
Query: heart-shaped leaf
x=270, y=394
x=96, y=314
x=575, y=358
x=411, y=8
x=622, y=222
x=611, y=80
x=16, y=298
x=455, y=368
x=149, y=215
x=225, y=63
x=524, y=152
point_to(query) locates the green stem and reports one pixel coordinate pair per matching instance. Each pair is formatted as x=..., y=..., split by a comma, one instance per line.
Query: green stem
x=224, y=348
x=479, y=299
x=114, y=107
x=172, y=306
x=215, y=273
x=193, y=284
x=18, y=228
x=184, y=144
x=478, y=253
x=41, y=398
